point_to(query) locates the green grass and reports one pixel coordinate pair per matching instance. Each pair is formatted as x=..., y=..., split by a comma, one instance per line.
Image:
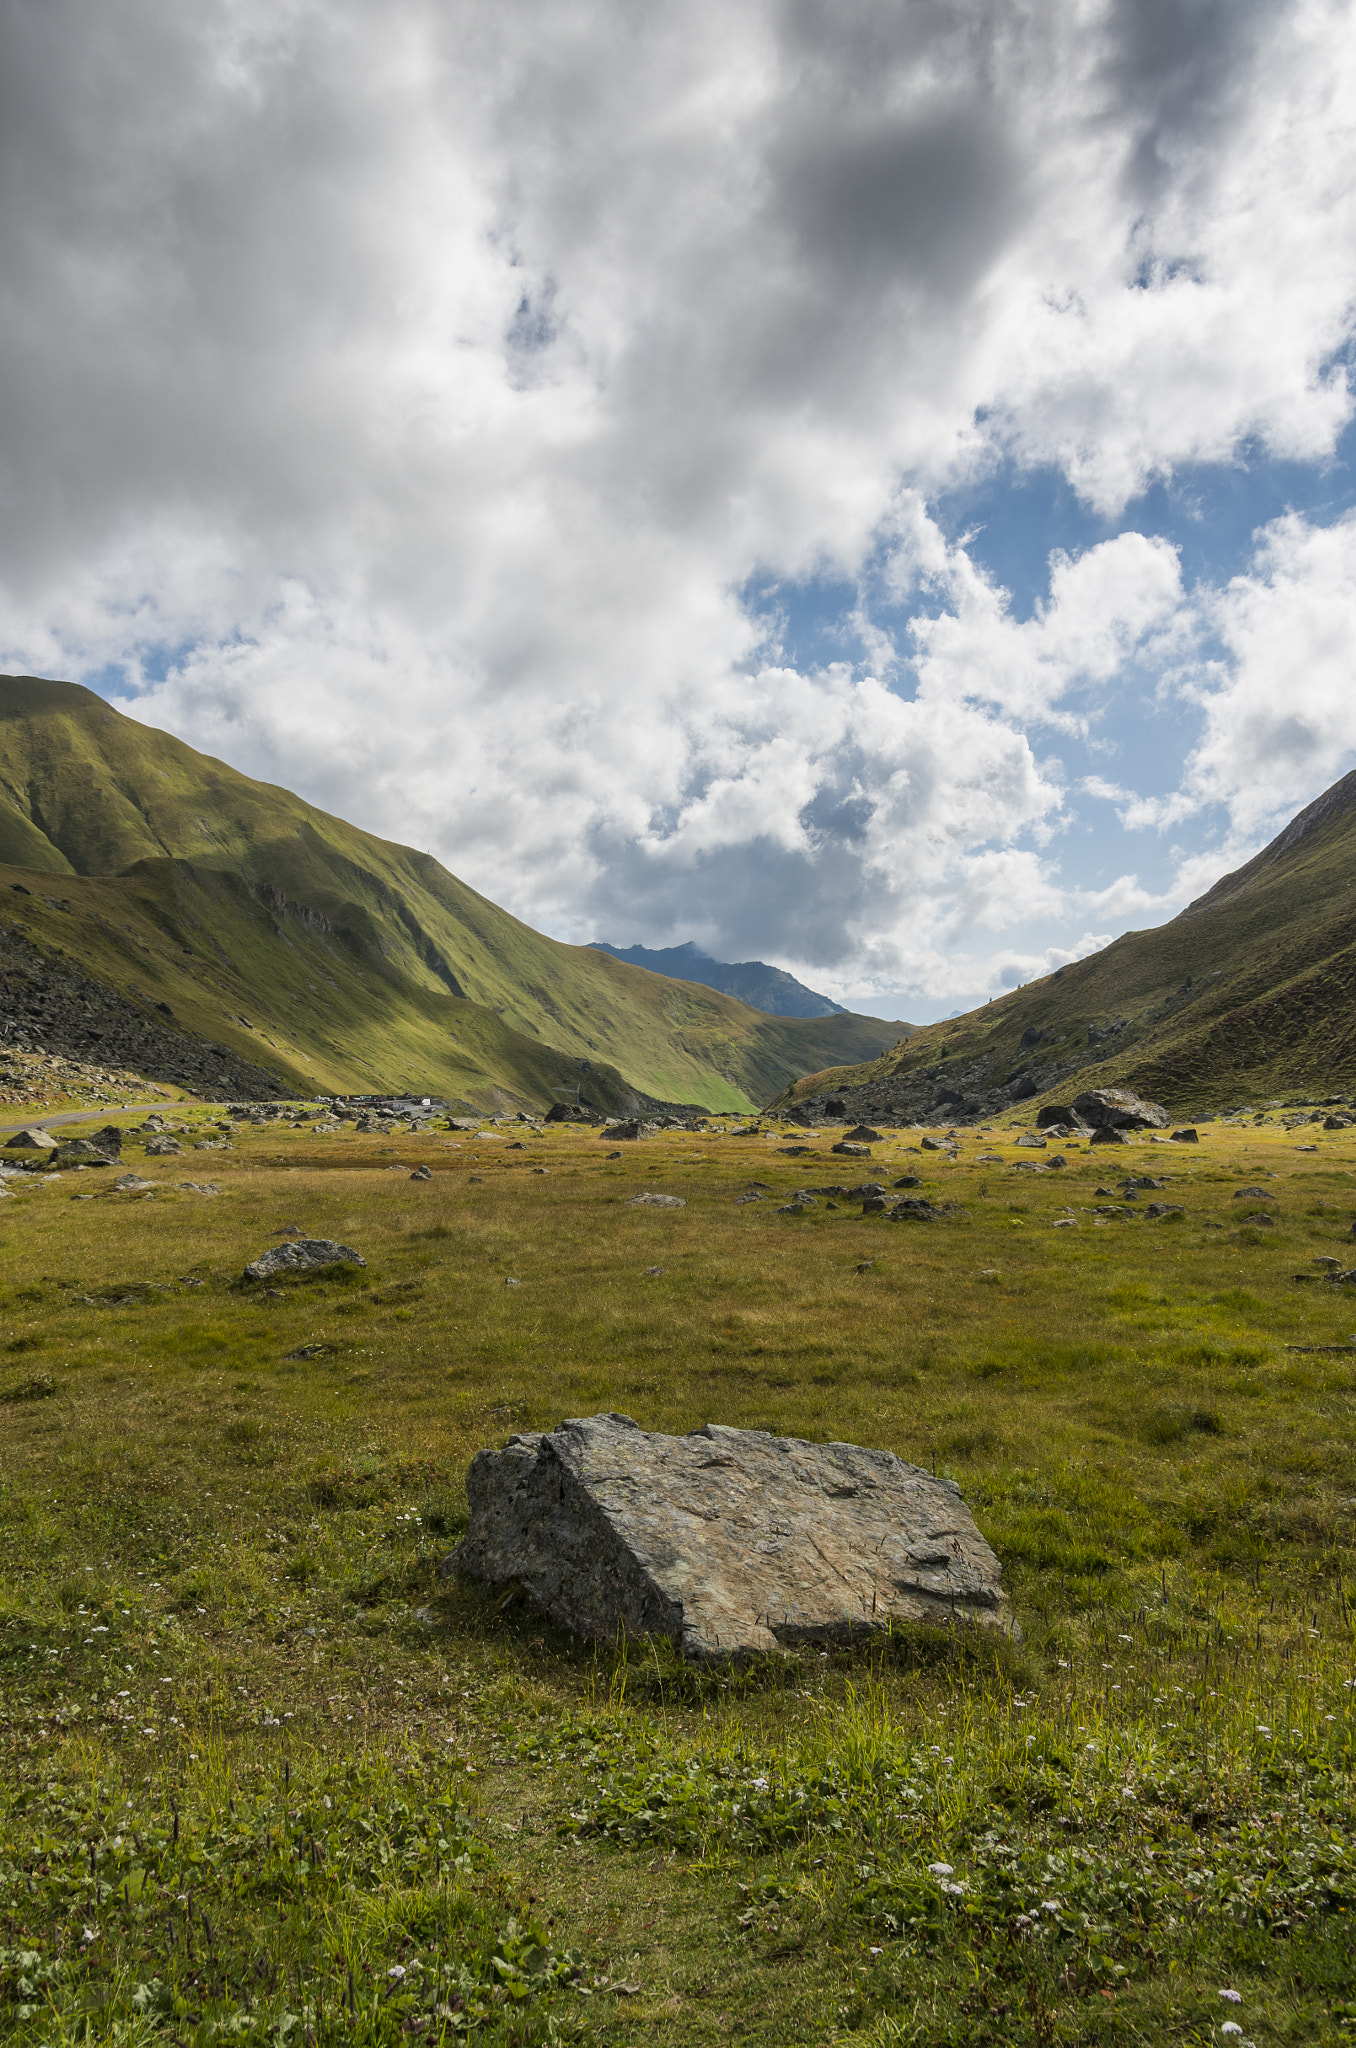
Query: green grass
x=271, y=1759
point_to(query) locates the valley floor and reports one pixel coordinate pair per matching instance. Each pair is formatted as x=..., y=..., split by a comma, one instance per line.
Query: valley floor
x=268, y=1775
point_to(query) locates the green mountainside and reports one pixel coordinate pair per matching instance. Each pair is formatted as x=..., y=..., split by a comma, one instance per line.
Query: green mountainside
x=1249, y=994
x=338, y=960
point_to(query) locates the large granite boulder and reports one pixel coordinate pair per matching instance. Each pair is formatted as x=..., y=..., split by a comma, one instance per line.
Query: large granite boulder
x=729, y=1541
x=1117, y=1109
x=33, y=1139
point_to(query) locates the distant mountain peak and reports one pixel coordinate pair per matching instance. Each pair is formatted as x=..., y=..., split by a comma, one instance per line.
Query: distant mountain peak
x=765, y=988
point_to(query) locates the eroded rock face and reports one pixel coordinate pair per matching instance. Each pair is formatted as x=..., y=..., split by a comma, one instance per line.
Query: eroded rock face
x=729, y=1541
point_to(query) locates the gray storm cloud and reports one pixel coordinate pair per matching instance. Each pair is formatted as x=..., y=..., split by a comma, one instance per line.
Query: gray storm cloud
x=399, y=401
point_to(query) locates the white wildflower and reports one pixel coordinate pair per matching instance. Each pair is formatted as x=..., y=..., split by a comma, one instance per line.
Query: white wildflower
x=939, y=1869
x=1232, y=1997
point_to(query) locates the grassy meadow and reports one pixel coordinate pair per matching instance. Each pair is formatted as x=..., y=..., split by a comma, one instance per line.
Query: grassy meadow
x=268, y=1776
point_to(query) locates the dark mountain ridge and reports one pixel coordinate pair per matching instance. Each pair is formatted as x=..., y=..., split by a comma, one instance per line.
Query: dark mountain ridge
x=770, y=989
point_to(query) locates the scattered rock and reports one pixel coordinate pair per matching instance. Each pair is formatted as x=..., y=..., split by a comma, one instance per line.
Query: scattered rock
x=211, y=1145
x=31, y=1140
x=163, y=1148
x=1108, y=1134
x=1260, y=1218
x=1168, y=1209
x=200, y=1187
x=1120, y=1110
x=631, y=1129
x=1186, y=1136
x=936, y=1145
x=513, y=1283
x=1253, y=1195
x=910, y=1209
x=852, y=1151
x=797, y=1151
x=731, y=1543
x=1032, y=1139
x=752, y=1196
x=1058, y=1113
x=866, y=1266
x=1065, y=1223
x=302, y=1255
x=191, y=1280
x=422, y=1173
x=132, y=1183
x=1057, y=1164
x=797, y=1204
x=653, y=1272
x=863, y=1134
x=908, y=1180
x=613, y=1155
x=649, y=1201
x=79, y=1152
x=541, y=1169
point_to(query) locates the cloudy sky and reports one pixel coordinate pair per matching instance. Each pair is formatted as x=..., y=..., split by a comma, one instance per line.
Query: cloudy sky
x=866, y=486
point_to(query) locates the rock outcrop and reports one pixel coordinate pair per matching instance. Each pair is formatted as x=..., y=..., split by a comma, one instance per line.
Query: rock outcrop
x=730, y=1542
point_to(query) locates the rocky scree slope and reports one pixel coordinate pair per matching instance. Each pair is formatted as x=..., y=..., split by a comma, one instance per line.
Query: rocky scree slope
x=1249, y=993
x=298, y=941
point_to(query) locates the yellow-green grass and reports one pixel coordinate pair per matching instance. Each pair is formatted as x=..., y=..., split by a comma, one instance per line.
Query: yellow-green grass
x=1168, y=1483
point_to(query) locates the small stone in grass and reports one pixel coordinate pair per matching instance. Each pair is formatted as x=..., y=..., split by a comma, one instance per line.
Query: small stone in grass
x=540, y=1169
x=866, y=1265
x=513, y=1283
x=612, y=1155
x=422, y=1173
x=653, y=1272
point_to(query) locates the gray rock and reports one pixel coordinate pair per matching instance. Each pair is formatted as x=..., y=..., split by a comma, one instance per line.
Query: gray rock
x=1108, y=1134
x=422, y=1173
x=31, y=1140
x=649, y=1201
x=163, y=1148
x=302, y=1255
x=1186, y=1136
x=863, y=1135
x=79, y=1152
x=1253, y=1195
x=852, y=1151
x=910, y=1209
x=1032, y=1139
x=1260, y=1218
x=934, y=1145
x=631, y=1129
x=1119, y=1110
x=730, y=1542
x=796, y=1204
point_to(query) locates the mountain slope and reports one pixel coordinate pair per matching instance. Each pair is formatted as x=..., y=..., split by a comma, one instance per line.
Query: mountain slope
x=1248, y=994
x=340, y=959
x=762, y=987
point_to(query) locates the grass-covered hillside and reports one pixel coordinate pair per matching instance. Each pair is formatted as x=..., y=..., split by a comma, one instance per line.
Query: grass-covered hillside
x=1249, y=994
x=340, y=960
x=267, y=1776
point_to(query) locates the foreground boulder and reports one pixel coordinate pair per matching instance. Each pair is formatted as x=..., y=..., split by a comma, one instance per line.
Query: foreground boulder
x=302, y=1255
x=730, y=1542
x=31, y=1140
x=1117, y=1109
